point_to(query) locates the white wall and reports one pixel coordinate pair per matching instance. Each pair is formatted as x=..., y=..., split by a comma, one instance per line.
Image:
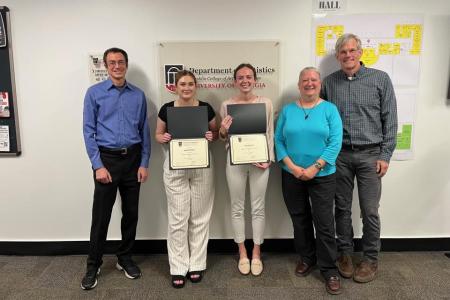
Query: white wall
x=46, y=193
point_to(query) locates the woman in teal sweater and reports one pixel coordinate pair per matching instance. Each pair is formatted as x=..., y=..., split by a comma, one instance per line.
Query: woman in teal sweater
x=308, y=139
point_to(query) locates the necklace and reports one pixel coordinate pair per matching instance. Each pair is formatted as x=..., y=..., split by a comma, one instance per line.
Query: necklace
x=311, y=109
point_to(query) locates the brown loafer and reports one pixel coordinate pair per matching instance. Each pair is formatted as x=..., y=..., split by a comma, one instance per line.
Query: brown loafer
x=303, y=269
x=366, y=272
x=333, y=285
x=345, y=266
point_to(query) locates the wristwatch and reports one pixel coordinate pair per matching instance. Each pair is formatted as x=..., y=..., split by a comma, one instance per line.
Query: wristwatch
x=318, y=165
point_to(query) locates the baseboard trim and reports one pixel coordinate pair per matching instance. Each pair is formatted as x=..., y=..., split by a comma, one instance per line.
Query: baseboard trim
x=214, y=246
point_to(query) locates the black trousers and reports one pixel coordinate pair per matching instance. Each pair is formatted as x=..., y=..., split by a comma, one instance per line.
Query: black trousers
x=304, y=214
x=123, y=170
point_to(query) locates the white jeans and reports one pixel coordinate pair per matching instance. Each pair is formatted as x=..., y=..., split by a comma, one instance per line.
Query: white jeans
x=237, y=181
x=190, y=197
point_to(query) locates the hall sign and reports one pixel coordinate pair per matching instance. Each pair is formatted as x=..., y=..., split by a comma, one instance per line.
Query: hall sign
x=321, y=6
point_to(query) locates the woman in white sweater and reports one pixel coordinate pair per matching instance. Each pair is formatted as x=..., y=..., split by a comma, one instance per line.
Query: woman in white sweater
x=258, y=173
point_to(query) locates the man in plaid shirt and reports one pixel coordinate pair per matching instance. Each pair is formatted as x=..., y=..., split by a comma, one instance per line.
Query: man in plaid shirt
x=366, y=101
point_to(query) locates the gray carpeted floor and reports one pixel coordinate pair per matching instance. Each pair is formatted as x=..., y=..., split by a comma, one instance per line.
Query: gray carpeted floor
x=405, y=275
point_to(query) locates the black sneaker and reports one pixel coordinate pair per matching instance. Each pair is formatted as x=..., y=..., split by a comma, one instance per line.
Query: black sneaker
x=90, y=279
x=129, y=267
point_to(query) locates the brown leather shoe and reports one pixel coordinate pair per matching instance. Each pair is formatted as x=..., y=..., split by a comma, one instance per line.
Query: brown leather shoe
x=303, y=269
x=333, y=285
x=366, y=272
x=345, y=266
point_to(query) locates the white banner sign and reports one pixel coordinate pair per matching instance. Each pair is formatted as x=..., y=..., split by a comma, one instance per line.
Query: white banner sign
x=213, y=64
x=325, y=6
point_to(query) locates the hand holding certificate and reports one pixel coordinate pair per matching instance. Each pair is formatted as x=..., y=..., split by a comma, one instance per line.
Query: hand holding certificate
x=188, y=148
x=248, y=141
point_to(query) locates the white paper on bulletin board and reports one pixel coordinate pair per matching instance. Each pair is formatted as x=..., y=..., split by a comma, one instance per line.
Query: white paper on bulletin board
x=97, y=70
x=4, y=138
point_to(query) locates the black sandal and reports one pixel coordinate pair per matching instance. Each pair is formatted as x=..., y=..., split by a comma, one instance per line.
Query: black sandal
x=198, y=276
x=178, y=278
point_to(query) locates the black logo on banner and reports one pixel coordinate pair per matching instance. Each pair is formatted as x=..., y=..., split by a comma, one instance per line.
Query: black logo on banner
x=2, y=32
x=169, y=74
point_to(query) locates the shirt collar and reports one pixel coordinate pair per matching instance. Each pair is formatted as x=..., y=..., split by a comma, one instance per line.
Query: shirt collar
x=361, y=71
x=109, y=84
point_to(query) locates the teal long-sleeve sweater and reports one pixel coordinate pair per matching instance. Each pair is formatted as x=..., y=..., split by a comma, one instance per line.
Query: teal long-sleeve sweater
x=305, y=140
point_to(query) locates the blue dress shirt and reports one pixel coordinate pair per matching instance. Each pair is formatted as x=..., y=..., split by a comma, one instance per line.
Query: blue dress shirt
x=115, y=118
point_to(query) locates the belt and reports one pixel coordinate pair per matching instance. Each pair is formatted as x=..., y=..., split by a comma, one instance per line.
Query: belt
x=359, y=147
x=120, y=151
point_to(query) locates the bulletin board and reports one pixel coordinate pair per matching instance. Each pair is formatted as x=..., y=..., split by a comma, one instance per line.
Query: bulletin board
x=9, y=121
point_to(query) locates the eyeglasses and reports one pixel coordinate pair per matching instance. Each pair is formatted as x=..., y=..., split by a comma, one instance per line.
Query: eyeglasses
x=113, y=63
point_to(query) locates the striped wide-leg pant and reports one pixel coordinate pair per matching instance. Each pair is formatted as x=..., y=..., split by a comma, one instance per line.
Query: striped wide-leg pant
x=190, y=197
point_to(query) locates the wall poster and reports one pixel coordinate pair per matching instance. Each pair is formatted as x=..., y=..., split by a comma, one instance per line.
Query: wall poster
x=392, y=43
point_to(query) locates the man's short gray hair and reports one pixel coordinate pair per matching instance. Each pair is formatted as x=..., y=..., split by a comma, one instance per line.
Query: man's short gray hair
x=344, y=39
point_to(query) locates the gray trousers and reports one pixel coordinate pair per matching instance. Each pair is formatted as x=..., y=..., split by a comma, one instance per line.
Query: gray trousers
x=362, y=165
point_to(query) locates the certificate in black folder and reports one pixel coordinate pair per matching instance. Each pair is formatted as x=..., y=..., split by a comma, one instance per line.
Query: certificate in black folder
x=247, y=133
x=188, y=148
x=247, y=118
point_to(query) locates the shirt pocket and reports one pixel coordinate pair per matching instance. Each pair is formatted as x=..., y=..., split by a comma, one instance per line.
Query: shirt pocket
x=132, y=107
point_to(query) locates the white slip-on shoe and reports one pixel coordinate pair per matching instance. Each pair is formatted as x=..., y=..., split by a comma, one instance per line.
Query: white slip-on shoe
x=257, y=267
x=244, y=266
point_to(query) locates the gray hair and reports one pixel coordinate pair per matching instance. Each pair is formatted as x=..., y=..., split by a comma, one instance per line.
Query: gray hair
x=344, y=39
x=304, y=70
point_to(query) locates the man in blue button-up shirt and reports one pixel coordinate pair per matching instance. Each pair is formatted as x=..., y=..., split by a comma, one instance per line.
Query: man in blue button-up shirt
x=117, y=138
